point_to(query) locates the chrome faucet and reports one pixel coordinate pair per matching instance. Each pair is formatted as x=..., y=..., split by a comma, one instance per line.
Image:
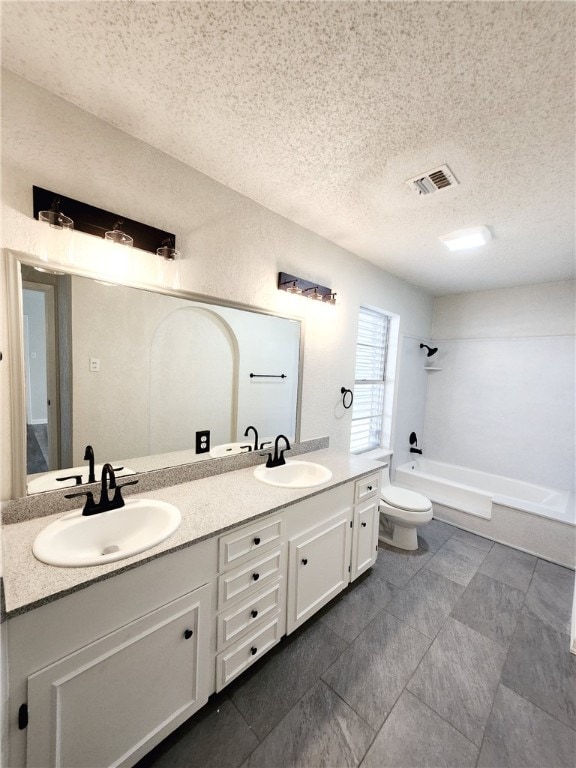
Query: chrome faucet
x=278, y=459
x=108, y=482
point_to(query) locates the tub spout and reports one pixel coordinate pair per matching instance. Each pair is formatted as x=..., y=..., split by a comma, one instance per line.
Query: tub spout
x=414, y=444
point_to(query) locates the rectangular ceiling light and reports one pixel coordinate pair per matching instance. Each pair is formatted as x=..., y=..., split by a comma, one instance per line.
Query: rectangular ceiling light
x=462, y=239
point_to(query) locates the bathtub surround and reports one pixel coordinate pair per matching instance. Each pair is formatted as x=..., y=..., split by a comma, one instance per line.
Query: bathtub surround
x=504, y=400
x=477, y=492
x=539, y=520
x=539, y=536
x=234, y=248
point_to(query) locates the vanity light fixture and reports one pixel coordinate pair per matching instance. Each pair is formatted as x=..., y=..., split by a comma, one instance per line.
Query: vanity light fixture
x=168, y=250
x=463, y=239
x=54, y=217
x=297, y=285
x=117, y=236
x=96, y=221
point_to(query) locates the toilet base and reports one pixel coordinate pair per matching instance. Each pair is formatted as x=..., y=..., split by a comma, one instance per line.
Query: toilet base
x=399, y=536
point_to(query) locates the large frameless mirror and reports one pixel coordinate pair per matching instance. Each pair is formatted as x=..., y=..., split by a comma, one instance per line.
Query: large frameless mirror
x=149, y=380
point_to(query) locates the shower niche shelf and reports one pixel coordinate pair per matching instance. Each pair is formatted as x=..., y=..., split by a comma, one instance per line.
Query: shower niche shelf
x=431, y=368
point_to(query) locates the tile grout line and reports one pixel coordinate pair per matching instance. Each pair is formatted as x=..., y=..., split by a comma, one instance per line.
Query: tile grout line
x=443, y=718
x=318, y=679
x=499, y=678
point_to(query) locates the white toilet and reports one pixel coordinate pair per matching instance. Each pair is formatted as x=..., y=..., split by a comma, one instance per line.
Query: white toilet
x=401, y=512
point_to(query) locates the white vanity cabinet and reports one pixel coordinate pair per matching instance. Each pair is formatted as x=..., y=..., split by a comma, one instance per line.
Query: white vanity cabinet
x=104, y=674
x=365, y=524
x=101, y=705
x=101, y=675
x=319, y=568
x=319, y=538
x=251, y=596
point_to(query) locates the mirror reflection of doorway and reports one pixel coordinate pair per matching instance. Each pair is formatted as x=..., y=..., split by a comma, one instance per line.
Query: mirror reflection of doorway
x=46, y=302
x=40, y=371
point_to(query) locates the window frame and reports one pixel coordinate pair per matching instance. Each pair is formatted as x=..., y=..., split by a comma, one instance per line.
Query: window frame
x=370, y=434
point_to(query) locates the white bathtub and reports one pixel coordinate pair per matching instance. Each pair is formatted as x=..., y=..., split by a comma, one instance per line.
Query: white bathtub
x=474, y=492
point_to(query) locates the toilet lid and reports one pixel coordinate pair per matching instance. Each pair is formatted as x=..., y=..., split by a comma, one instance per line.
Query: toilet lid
x=403, y=499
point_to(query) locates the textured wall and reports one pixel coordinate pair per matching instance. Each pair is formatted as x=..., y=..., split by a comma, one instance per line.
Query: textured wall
x=233, y=247
x=504, y=401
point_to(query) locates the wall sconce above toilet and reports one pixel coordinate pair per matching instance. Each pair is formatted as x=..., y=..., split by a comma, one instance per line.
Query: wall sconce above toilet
x=297, y=285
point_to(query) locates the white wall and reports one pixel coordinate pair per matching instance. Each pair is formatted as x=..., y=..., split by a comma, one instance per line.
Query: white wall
x=504, y=401
x=233, y=248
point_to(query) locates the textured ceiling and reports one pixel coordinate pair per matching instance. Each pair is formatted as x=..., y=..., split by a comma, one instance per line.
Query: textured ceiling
x=321, y=110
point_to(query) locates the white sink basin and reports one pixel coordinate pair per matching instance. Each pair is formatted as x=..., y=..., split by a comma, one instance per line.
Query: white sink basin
x=228, y=449
x=294, y=474
x=48, y=480
x=78, y=540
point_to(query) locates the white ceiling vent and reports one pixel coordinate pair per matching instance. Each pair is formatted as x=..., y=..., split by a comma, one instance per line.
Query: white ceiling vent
x=433, y=181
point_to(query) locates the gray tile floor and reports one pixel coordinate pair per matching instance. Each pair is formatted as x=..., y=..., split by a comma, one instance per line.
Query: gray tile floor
x=454, y=655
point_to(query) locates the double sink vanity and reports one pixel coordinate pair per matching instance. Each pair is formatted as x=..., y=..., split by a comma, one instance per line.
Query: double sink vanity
x=106, y=659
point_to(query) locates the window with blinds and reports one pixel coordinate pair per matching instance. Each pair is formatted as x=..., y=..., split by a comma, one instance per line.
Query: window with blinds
x=370, y=380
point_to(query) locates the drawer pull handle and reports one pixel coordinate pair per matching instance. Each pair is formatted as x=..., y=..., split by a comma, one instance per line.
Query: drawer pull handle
x=257, y=540
x=369, y=487
x=253, y=650
x=254, y=614
x=188, y=634
x=305, y=561
x=255, y=576
x=363, y=525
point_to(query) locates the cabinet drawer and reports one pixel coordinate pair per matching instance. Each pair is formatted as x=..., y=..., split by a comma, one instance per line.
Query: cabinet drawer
x=236, y=620
x=245, y=580
x=367, y=486
x=230, y=663
x=237, y=546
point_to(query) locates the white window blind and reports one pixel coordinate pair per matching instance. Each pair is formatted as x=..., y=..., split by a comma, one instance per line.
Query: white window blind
x=370, y=380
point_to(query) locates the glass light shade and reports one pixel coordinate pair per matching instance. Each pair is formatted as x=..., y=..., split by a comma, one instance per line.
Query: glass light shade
x=117, y=236
x=56, y=219
x=293, y=288
x=167, y=252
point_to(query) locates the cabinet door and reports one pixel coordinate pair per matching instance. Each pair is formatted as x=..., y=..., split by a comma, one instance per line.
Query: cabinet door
x=110, y=702
x=364, y=537
x=318, y=569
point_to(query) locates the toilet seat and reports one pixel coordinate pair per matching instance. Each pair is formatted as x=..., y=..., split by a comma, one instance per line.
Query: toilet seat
x=404, y=500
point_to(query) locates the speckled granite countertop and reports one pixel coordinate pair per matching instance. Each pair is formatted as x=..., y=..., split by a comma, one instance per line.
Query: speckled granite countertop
x=209, y=506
